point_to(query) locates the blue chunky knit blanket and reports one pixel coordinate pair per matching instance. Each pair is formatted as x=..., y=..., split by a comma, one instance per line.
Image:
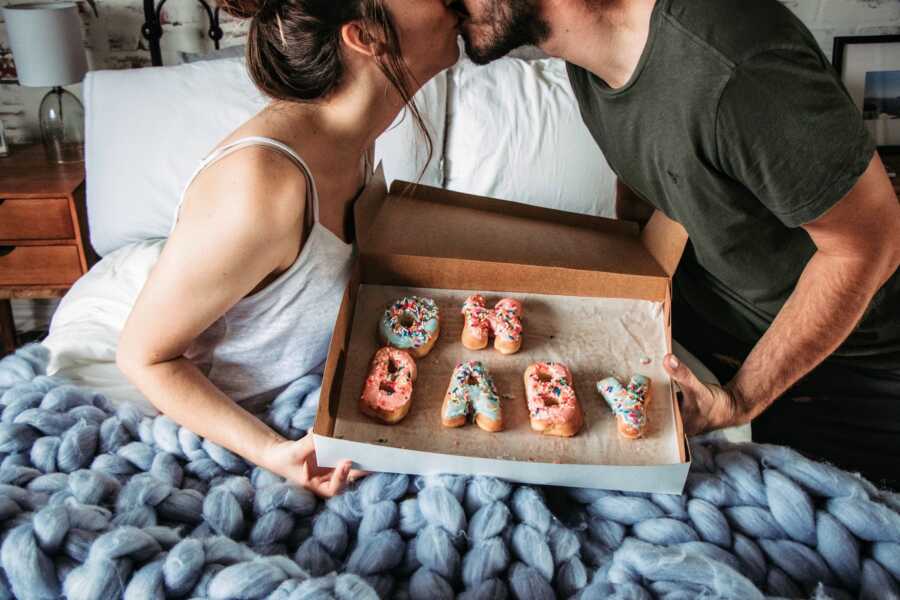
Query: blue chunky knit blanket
x=98, y=501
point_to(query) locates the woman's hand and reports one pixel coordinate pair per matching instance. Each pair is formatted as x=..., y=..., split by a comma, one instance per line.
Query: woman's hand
x=296, y=462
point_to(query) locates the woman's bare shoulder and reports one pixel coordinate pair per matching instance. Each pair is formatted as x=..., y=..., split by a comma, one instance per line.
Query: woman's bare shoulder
x=258, y=187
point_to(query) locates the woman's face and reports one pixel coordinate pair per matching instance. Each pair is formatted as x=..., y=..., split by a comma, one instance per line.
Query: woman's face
x=427, y=30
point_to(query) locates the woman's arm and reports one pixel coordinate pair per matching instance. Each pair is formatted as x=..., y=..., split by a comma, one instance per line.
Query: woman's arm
x=240, y=225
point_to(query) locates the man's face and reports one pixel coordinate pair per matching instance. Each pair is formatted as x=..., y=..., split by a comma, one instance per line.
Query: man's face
x=492, y=28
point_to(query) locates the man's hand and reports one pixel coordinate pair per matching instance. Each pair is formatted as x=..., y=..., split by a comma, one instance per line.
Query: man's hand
x=704, y=406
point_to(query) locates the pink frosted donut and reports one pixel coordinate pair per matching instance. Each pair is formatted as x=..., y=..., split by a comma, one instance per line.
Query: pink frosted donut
x=476, y=326
x=503, y=322
x=506, y=322
x=552, y=404
x=387, y=393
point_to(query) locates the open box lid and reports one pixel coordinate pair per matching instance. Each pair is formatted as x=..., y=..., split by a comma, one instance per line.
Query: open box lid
x=422, y=221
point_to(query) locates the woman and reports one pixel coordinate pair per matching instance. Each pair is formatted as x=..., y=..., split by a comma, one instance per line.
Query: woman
x=246, y=290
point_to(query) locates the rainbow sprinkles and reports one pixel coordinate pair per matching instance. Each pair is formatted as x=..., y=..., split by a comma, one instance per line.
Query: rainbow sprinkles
x=504, y=321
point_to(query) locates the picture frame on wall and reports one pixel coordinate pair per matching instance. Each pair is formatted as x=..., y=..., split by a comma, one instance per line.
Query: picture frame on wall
x=7, y=67
x=869, y=66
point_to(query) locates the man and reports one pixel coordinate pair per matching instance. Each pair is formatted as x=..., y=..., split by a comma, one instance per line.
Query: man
x=726, y=116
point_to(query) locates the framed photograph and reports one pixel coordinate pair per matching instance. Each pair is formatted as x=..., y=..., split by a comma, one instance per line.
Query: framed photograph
x=7, y=66
x=869, y=66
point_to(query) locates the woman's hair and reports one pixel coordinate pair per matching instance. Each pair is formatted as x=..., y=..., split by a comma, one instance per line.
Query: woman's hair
x=294, y=48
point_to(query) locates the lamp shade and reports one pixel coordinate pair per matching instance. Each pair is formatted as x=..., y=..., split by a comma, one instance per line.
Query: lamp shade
x=46, y=43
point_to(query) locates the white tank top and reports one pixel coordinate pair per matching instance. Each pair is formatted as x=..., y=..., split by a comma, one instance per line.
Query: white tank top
x=282, y=332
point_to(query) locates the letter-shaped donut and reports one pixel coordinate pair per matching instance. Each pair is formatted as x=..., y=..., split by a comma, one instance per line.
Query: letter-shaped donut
x=472, y=391
x=387, y=394
x=552, y=404
x=476, y=327
x=411, y=323
x=504, y=322
x=629, y=404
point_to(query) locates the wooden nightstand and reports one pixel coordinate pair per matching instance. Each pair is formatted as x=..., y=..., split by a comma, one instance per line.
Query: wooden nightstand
x=43, y=231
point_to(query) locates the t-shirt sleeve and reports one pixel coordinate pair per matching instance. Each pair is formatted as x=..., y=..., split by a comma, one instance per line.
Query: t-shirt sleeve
x=788, y=130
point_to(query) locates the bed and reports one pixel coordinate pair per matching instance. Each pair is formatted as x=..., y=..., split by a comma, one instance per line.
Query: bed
x=518, y=146
x=99, y=499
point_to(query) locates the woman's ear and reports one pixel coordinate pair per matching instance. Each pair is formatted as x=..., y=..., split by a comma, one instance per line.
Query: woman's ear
x=357, y=38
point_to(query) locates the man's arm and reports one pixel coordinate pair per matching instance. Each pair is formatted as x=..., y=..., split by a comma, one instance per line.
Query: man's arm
x=630, y=206
x=858, y=249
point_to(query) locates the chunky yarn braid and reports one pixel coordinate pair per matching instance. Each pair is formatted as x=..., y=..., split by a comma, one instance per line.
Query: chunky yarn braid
x=101, y=501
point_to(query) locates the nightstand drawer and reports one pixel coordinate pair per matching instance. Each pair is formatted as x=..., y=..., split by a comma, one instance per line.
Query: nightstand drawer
x=35, y=219
x=39, y=265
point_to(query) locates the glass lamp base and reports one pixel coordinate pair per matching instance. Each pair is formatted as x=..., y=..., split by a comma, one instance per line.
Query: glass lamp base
x=62, y=126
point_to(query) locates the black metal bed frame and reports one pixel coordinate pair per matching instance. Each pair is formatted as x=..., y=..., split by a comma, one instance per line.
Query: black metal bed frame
x=152, y=28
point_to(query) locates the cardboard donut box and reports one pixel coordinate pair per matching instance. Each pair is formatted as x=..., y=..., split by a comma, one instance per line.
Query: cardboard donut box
x=415, y=239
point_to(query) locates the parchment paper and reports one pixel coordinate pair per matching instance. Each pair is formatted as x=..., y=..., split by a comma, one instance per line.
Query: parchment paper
x=595, y=337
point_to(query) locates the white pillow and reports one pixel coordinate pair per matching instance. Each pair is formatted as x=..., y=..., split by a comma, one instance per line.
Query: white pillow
x=146, y=130
x=515, y=132
x=402, y=149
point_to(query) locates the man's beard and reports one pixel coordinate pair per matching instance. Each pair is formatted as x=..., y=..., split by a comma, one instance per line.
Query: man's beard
x=513, y=23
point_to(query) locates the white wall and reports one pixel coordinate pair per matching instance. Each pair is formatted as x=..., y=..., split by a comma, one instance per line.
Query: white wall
x=830, y=18
x=113, y=40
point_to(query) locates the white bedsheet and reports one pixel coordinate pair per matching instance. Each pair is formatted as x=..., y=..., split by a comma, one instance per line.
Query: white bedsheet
x=84, y=332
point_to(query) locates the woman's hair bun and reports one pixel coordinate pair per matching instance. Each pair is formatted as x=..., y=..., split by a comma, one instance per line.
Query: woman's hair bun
x=242, y=9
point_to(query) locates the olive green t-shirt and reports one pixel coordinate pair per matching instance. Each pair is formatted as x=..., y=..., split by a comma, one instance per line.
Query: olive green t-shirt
x=736, y=125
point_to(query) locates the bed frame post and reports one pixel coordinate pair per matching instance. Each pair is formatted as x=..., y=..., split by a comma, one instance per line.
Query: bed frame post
x=152, y=28
x=152, y=31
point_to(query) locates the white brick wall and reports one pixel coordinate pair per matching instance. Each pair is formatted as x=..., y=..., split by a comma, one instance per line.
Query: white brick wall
x=848, y=17
x=843, y=13
x=113, y=41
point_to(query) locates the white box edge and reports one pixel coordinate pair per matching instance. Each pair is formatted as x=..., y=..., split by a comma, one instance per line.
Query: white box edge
x=662, y=479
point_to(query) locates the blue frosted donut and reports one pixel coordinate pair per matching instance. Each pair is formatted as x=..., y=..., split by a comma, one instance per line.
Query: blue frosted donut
x=410, y=322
